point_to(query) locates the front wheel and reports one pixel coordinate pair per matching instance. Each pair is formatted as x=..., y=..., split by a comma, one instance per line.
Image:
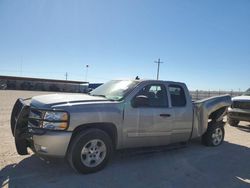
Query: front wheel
x=214, y=135
x=90, y=151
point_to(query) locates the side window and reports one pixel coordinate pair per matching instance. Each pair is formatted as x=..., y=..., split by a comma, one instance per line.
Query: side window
x=177, y=95
x=156, y=94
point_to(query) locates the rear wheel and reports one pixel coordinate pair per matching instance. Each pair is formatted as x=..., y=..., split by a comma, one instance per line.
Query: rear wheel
x=214, y=135
x=90, y=151
x=233, y=122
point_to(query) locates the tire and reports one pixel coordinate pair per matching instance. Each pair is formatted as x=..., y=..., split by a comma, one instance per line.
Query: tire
x=233, y=122
x=21, y=146
x=214, y=136
x=90, y=151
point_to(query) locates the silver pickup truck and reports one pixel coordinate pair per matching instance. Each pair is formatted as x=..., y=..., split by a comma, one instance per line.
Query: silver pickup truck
x=86, y=128
x=240, y=109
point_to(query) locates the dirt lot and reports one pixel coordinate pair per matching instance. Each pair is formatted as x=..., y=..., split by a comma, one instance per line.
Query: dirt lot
x=193, y=166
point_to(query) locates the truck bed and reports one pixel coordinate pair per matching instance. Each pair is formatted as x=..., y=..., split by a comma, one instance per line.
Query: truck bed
x=209, y=109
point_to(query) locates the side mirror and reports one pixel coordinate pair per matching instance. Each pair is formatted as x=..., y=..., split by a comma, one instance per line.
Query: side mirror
x=140, y=101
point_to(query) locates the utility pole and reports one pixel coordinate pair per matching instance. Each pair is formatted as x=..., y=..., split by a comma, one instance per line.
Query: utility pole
x=21, y=66
x=158, y=67
x=66, y=75
x=86, y=74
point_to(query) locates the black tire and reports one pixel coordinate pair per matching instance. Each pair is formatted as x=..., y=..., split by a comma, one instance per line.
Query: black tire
x=233, y=122
x=21, y=146
x=214, y=128
x=75, y=156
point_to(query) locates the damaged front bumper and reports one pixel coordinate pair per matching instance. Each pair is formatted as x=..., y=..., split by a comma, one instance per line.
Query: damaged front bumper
x=239, y=114
x=43, y=142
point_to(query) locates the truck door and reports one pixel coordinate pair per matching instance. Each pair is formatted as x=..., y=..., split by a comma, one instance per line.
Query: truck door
x=181, y=104
x=148, y=125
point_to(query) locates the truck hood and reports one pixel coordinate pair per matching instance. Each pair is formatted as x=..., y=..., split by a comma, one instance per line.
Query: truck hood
x=46, y=101
x=241, y=98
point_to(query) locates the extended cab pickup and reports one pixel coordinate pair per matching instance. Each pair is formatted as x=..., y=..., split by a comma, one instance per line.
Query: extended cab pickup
x=86, y=128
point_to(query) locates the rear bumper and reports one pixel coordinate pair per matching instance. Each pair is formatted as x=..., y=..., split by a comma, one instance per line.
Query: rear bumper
x=239, y=114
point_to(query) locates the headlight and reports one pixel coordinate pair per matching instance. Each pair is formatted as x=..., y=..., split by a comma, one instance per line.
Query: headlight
x=55, y=116
x=55, y=120
x=54, y=125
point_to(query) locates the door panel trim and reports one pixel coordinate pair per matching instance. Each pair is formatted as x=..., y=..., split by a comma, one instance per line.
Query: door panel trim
x=148, y=134
x=176, y=131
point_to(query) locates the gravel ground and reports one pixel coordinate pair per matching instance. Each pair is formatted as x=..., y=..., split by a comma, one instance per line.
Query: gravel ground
x=193, y=166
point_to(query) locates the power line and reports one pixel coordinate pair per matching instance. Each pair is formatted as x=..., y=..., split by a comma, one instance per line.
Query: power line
x=158, y=67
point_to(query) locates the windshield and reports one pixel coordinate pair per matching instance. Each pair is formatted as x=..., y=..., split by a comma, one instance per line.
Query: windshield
x=115, y=89
x=247, y=92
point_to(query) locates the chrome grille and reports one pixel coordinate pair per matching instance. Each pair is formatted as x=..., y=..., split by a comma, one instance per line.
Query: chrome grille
x=241, y=105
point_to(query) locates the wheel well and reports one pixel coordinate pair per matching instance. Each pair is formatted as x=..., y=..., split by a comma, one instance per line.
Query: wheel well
x=217, y=114
x=109, y=128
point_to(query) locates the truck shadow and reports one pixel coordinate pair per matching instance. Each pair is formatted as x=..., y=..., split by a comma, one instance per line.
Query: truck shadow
x=245, y=128
x=192, y=166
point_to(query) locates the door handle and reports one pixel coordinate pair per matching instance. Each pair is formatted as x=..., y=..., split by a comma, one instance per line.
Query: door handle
x=165, y=115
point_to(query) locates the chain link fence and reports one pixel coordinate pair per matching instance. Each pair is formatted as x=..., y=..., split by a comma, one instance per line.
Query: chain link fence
x=198, y=94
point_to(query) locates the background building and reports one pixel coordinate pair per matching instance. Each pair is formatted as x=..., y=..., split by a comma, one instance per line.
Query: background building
x=39, y=84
